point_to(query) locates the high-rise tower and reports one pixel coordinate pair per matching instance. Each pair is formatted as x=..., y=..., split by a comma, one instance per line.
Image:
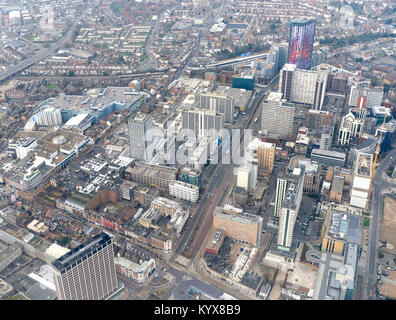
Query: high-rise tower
x=302, y=34
x=87, y=272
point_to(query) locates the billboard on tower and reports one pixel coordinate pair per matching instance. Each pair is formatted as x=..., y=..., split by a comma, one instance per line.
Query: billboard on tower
x=301, y=43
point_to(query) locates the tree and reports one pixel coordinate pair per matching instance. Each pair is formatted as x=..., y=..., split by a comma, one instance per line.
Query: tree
x=63, y=240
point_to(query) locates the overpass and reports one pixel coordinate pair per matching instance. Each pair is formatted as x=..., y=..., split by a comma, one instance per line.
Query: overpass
x=236, y=60
x=88, y=77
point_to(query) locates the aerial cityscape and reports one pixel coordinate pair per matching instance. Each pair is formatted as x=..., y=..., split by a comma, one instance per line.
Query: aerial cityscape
x=198, y=150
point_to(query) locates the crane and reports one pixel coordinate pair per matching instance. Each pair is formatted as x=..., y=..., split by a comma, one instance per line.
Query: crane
x=376, y=156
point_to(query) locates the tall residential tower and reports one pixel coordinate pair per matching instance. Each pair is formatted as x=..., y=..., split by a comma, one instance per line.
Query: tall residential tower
x=290, y=191
x=87, y=272
x=277, y=116
x=139, y=143
x=302, y=34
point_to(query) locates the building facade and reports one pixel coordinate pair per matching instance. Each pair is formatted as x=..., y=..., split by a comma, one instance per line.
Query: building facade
x=243, y=227
x=361, y=180
x=224, y=105
x=290, y=205
x=200, y=122
x=302, y=34
x=87, y=272
x=138, y=128
x=151, y=175
x=136, y=271
x=304, y=86
x=350, y=127
x=184, y=191
x=277, y=116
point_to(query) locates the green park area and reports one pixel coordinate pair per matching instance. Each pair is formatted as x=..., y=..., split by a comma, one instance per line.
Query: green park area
x=366, y=222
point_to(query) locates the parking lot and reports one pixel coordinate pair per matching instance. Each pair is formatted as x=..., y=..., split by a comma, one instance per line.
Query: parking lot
x=307, y=228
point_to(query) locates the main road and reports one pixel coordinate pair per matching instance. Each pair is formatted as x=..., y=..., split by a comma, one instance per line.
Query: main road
x=380, y=187
x=218, y=186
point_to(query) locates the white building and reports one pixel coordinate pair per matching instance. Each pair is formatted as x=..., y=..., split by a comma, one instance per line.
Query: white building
x=14, y=17
x=247, y=176
x=137, y=271
x=361, y=180
x=362, y=96
x=222, y=104
x=304, y=86
x=200, y=154
x=184, y=191
x=277, y=116
x=22, y=146
x=141, y=141
x=290, y=205
x=48, y=117
x=350, y=127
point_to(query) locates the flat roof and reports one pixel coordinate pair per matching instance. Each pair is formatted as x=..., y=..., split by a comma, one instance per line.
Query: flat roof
x=246, y=218
x=216, y=239
x=136, y=267
x=188, y=289
x=275, y=96
x=73, y=256
x=152, y=170
x=329, y=153
x=363, y=164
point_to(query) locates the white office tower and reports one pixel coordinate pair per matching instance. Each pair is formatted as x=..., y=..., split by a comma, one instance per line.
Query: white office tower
x=222, y=104
x=87, y=272
x=15, y=17
x=350, y=127
x=281, y=186
x=200, y=122
x=362, y=96
x=361, y=180
x=277, y=116
x=303, y=86
x=291, y=192
x=286, y=76
x=140, y=136
x=47, y=117
x=247, y=176
x=320, y=87
x=325, y=138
